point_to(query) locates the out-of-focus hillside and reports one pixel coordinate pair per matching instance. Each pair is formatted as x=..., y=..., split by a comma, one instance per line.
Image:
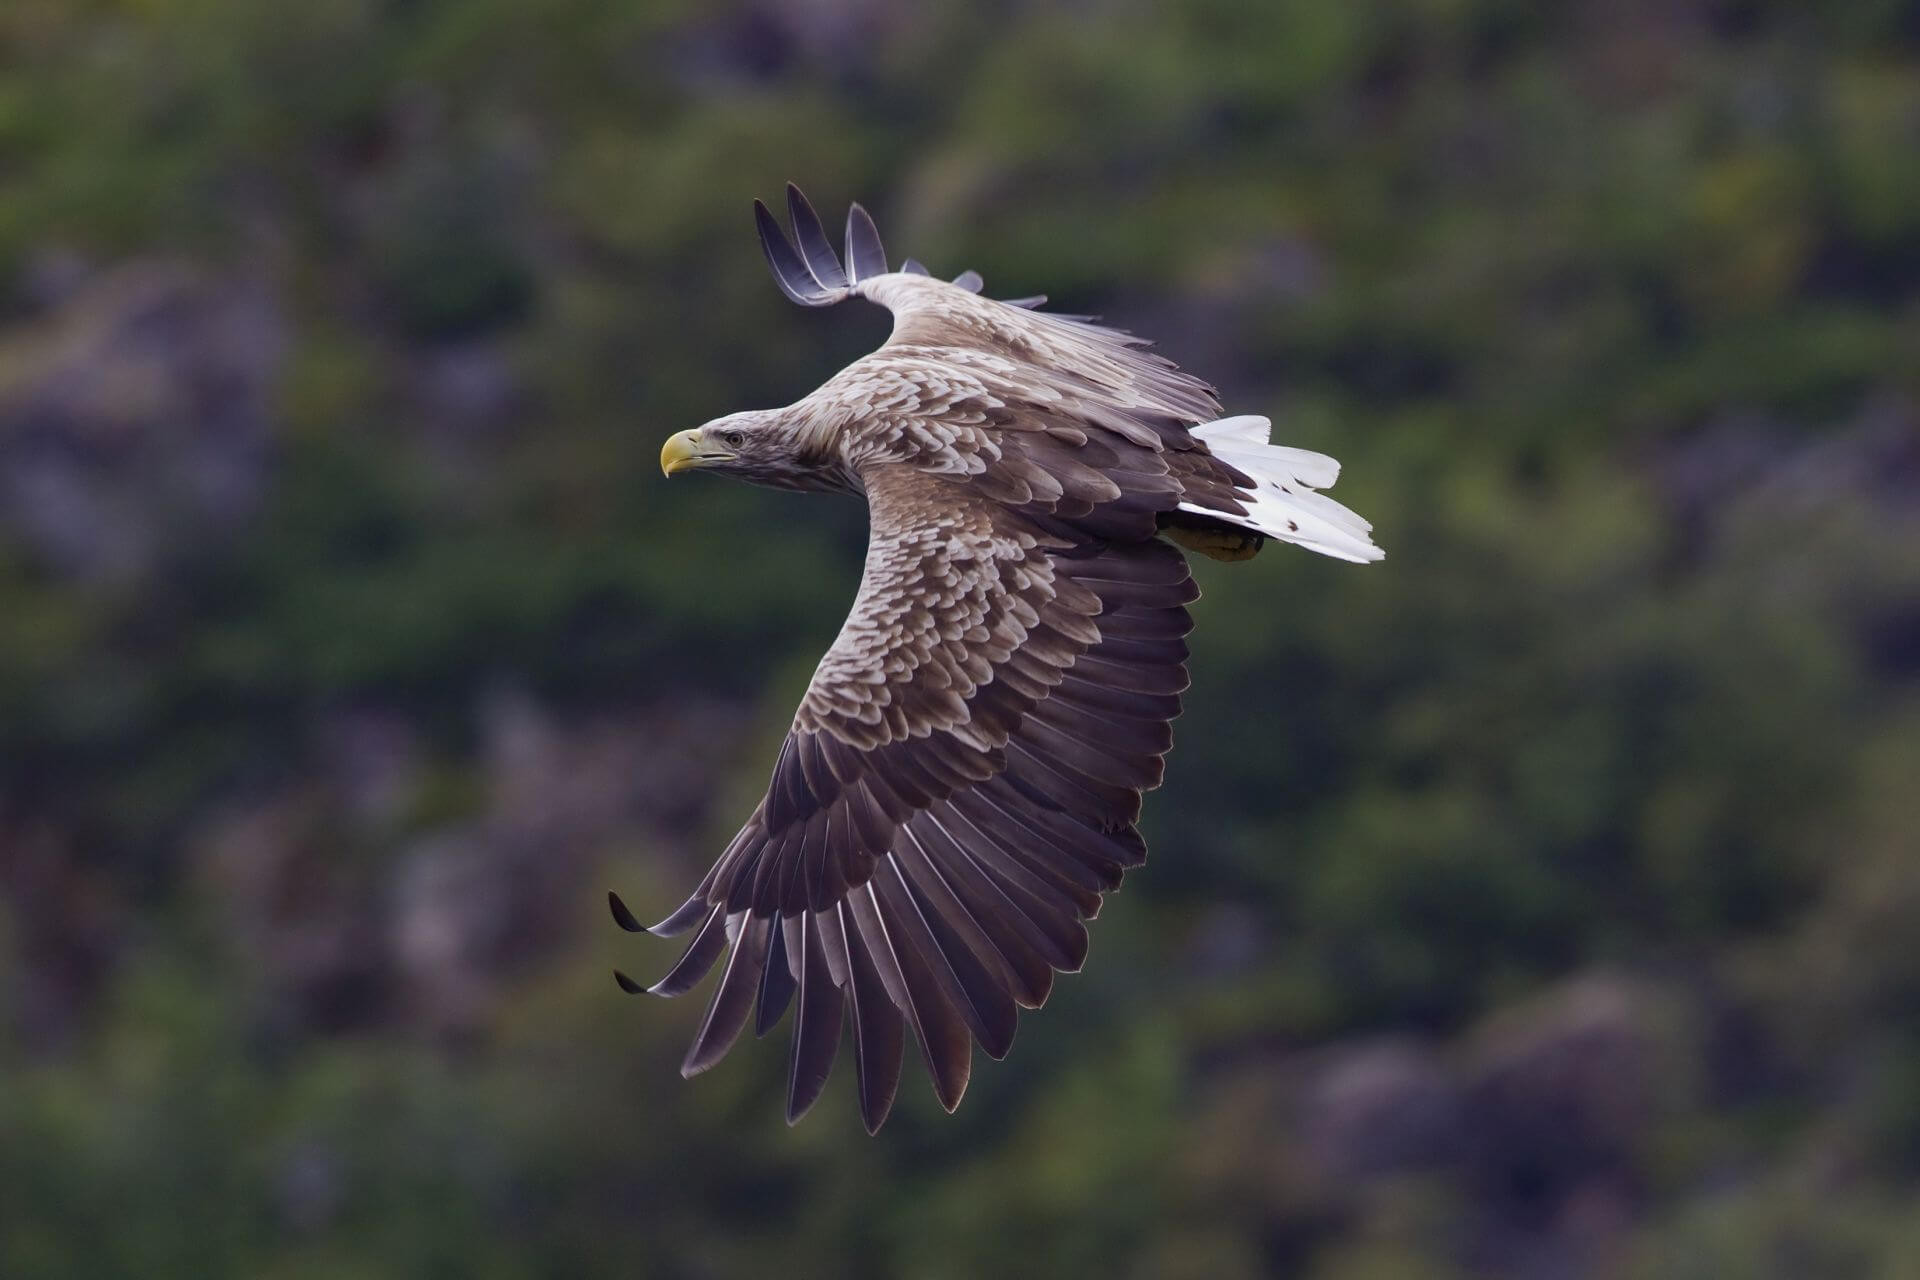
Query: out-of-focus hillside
x=1538, y=903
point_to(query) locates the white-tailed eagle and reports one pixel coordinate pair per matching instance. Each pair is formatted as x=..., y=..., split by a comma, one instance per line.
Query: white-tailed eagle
x=962, y=779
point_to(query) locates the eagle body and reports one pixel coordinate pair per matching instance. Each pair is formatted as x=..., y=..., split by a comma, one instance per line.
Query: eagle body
x=961, y=781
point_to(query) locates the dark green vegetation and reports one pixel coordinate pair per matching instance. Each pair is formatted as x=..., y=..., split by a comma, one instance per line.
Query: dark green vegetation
x=1543, y=901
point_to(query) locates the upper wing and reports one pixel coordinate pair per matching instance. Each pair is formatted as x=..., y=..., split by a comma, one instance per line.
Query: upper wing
x=1065, y=420
x=1070, y=352
x=958, y=789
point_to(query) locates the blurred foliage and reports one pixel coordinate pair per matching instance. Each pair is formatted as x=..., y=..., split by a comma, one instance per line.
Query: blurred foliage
x=1612, y=313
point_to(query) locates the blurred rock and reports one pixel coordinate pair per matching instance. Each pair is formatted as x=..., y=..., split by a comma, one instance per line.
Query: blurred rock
x=758, y=42
x=651, y=769
x=297, y=908
x=1383, y=1107
x=1875, y=456
x=373, y=754
x=1740, y=458
x=310, y=1187
x=351, y=921
x=1638, y=51
x=458, y=905
x=462, y=387
x=50, y=276
x=479, y=903
x=1227, y=943
x=1699, y=473
x=60, y=931
x=1557, y=1088
x=1533, y=1121
x=135, y=418
x=1558, y=1093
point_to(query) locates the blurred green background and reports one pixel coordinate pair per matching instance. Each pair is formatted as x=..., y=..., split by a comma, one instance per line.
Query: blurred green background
x=1543, y=902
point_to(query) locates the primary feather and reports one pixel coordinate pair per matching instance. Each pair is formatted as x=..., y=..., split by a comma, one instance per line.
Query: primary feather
x=963, y=775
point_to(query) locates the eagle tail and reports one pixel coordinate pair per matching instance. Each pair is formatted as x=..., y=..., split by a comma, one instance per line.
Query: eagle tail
x=1284, y=503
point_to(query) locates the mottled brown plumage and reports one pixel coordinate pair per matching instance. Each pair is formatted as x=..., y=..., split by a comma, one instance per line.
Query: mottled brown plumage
x=962, y=778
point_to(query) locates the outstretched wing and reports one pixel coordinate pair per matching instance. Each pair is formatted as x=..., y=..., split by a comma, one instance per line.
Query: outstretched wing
x=1035, y=400
x=959, y=788
x=952, y=316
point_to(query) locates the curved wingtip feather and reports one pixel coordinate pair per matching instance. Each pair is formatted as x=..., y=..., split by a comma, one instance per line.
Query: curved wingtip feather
x=790, y=271
x=866, y=257
x=732, y=1000
x=688, y=914
x=621, y=916
x=811, y=238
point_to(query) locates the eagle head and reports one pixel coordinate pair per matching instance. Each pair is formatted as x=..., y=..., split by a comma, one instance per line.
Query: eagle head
x=765, y=447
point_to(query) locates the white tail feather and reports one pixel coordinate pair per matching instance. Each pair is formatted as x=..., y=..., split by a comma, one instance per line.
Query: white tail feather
x=1248, y=428
x=1283, y=504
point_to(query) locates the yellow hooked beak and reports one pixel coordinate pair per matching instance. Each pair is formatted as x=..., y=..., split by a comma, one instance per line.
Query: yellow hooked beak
x=683, y=449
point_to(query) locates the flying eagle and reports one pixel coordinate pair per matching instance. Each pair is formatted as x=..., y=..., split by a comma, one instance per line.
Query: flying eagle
x=962, y=779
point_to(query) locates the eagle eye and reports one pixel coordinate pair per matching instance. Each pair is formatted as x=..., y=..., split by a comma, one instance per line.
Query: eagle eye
x=733, y=439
